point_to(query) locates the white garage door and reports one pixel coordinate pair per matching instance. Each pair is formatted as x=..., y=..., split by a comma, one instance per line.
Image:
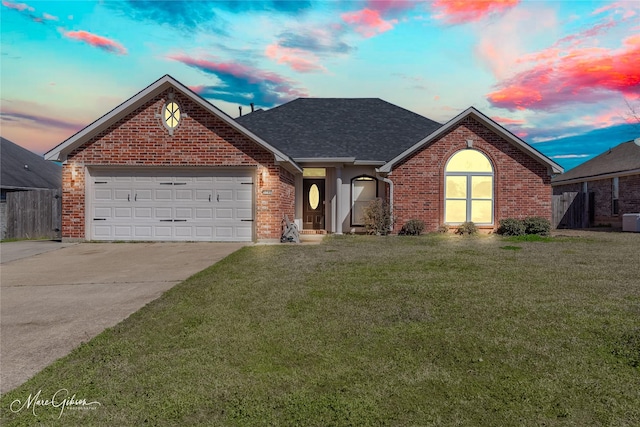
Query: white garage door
x=171, y=205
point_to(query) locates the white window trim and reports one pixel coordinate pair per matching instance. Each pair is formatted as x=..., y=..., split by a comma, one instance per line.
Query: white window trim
x=469, y=199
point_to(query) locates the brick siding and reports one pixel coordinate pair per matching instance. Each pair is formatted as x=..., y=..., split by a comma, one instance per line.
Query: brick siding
x=522, y=185
x=602, y=189
x=201, y=139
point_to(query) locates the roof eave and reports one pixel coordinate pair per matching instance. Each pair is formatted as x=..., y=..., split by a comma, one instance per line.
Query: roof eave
x=61, y=151
x=596, y=177
x=552, y=166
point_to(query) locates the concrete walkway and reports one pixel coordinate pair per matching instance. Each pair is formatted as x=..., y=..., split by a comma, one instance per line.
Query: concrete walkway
x=54, y=296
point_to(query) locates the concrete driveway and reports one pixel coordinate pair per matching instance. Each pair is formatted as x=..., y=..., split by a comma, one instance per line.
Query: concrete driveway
x=54, y=296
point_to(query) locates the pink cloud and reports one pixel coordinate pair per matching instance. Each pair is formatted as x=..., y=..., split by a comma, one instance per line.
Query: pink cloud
x=461, y=11
x=21, y=7
x=298, y=59
x=234, y=69
x=100, y=42
x=585, y=75
x=49, y=17
x=368, y=22
x=386, y=7
x=507, y=120
x=240, y=83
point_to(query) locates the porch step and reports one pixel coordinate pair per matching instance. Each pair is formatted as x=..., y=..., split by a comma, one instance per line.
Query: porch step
x=313, y=232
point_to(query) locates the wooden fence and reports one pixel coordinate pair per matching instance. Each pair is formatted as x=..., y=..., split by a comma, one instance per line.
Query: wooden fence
x=35, y=214
x=572, y=210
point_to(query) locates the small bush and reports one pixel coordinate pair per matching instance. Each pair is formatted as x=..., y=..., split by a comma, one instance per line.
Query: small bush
x=413, y=227
x=511, y=227
x=537, y=225
x=444, y=228
x=377, y=217
x=467, y=228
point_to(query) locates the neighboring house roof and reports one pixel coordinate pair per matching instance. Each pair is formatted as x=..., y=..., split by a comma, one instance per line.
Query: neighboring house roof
x=623, y=159
x=364, y=130
x=23, y=170
x=472, y=112
x=61, y=151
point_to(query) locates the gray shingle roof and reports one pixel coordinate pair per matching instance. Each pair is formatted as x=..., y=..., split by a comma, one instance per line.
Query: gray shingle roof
x=368, y=129
x=39, y=174
x=622, y=158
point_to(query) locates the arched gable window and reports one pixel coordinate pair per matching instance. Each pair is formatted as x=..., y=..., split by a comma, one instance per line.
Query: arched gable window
x=468, y=188
x=364, y=189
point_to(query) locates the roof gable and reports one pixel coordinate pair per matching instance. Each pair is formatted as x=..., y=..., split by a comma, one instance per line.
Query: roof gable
x=24, y=170
x=61, y=151
x=492, y=125
x=361, y=129
x=621, y=159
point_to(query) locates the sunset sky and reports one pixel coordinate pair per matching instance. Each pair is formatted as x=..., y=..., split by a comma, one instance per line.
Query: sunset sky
x=546, y=70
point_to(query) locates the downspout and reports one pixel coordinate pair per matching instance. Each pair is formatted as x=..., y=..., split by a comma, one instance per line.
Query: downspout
x=388, y=181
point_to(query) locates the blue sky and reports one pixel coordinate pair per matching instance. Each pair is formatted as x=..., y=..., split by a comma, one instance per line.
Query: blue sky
x=546, y=70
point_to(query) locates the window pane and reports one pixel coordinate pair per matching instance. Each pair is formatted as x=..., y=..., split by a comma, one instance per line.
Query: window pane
x=314, y=197
x=481, y=211
x=456, y=187
x=469, y=161
x=364, y=191
x=481, y=187
x=317, y=172
x=456, y=211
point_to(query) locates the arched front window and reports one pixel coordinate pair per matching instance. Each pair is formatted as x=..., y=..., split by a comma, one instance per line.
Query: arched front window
x=468, y=188
x=364, y=189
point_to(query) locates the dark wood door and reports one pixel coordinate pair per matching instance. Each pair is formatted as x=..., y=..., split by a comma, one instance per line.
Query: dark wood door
x=313, y=199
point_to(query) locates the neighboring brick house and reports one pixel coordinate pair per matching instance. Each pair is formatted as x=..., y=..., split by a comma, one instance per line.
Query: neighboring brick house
x=168, y=165
x=613, y=181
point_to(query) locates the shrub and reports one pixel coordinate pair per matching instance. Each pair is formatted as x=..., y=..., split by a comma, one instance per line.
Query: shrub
x=511, y=227
x=537, y=225
x=413, y=227
x=467, y=228
x=444, y=228
x=377, y=217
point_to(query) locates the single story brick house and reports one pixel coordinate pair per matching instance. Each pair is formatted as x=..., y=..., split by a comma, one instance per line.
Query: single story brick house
x=613, y=181
x=168, y=165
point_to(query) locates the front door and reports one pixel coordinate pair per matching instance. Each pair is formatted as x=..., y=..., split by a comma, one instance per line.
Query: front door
x=313, y=200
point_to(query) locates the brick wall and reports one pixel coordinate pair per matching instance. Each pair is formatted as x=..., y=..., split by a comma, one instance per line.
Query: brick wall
x=201, y=139
x=602, y=189
x=522, y=186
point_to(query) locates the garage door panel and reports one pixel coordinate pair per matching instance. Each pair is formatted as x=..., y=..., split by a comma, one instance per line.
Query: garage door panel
x=143, y=213
x=143, y=195
x=183, y=231
x=204, y=195
x=204, y=213
x=103, y=194
x=163, y=213
x=165, y=205
x=222, y=214
x=245, y=232
x=243, y=214
x=243, y=195
x=123, y=213
x=143, y=231
x=102, y=212
x=183, y=194
x=122, y=231
x=102, y=231
x=183, y=213
x=224, y=196
x=204, y=232
x=163, y=195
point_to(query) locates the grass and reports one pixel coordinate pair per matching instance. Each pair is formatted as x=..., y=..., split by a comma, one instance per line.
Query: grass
x=435, y=330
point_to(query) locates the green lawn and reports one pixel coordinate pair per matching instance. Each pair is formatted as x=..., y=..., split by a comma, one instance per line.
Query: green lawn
x=360, y=330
